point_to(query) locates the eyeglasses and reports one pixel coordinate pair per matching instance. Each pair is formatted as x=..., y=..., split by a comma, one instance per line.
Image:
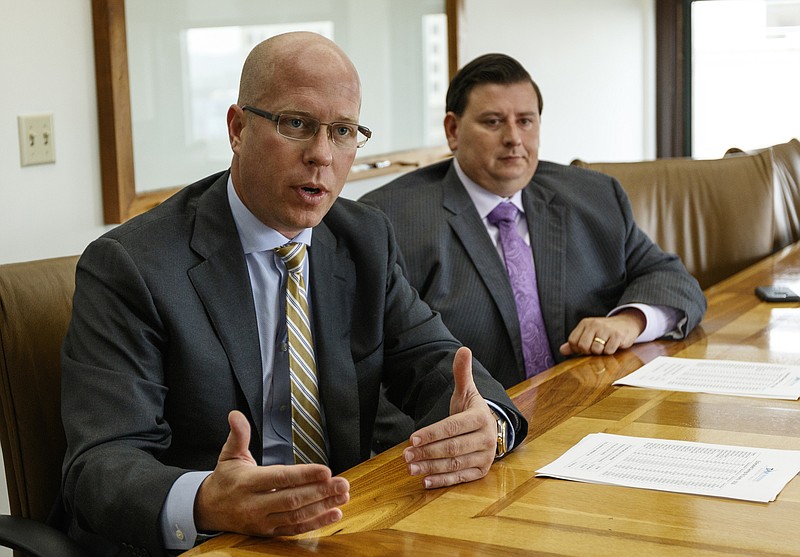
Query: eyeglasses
x=302, y=128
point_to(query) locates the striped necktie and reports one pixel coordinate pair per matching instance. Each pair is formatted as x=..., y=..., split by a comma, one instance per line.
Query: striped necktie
x=307, y=436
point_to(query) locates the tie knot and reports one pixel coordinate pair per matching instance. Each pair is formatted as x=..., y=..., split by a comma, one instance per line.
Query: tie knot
x=504, y=213
x=293, y=254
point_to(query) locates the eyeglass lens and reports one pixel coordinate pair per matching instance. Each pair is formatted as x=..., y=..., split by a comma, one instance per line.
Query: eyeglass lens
x=299, y=127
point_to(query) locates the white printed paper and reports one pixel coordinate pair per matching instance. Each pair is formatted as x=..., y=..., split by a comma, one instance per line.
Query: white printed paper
x=751, y=474
x=717, y=376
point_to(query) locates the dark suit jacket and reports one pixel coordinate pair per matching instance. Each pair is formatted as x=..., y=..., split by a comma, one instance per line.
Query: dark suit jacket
x=589, y=256
x=163, y=344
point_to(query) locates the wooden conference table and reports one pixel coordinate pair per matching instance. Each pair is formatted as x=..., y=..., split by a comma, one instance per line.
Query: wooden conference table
x=511, y=512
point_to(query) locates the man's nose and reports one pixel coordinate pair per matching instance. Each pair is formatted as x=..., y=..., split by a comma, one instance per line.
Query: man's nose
x=511, y=134
x=319, y=149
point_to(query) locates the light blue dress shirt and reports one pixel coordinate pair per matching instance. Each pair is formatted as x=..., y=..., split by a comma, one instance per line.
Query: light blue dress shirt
x=267, y=278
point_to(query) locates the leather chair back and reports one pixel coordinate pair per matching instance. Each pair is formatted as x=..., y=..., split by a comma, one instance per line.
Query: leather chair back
x=35, y=309
x=717, y=215
x=786, y=157
x=787, y=166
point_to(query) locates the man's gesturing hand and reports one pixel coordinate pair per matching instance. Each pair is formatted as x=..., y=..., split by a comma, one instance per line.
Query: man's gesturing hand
x=460, y=448
x=240, y=496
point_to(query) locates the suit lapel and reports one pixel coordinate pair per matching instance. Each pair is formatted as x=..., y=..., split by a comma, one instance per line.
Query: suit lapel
x=332, y=287
x=471, y=232
x=223, y=285
x=546, y=224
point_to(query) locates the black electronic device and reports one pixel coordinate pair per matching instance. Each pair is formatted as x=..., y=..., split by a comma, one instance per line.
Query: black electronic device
x=777, y=294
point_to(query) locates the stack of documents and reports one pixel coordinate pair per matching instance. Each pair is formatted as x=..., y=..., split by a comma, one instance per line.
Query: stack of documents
x=678, y=466
x=747, y=473
x=717, y=376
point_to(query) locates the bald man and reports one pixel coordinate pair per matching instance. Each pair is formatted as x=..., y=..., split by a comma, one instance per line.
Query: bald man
x=180, y=399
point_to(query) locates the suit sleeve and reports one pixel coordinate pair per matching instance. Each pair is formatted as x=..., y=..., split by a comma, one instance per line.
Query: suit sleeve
x=419, y=353
x=113, y=403
x=655, y=277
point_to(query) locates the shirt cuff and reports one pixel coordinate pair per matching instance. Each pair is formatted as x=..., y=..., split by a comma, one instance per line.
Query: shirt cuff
x=177, y=516
x=660, y=321
x=510, y=436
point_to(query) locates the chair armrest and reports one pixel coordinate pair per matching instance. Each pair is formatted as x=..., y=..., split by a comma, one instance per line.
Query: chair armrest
x=36, y=539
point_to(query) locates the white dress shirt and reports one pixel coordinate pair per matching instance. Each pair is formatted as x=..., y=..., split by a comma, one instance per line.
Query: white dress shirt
x=660, y=321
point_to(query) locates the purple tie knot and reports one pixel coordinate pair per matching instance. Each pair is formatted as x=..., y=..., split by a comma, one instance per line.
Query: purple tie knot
x=503, y=213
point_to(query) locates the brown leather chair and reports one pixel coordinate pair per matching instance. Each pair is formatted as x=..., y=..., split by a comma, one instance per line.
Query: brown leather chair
x=718, y=215
x=35, y=308
x=786, y=158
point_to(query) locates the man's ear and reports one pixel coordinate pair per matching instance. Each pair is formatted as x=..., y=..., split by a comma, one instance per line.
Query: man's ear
x=236, y=122
x=451, y=123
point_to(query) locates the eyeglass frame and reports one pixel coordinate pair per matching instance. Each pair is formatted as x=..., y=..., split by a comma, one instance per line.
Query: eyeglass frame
x=365, y=131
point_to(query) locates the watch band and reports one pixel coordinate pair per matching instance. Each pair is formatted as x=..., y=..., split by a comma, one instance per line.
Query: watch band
x=502, y=436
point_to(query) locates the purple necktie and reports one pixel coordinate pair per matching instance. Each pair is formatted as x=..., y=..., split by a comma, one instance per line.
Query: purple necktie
x=521, y=274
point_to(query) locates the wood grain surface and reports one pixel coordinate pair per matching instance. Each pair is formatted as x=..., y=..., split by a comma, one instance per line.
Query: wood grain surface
x=511, y=512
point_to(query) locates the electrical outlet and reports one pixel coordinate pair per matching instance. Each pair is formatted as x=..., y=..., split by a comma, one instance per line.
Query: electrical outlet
x=36, y=139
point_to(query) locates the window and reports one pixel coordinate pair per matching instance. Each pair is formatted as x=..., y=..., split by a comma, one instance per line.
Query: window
x=745, y=59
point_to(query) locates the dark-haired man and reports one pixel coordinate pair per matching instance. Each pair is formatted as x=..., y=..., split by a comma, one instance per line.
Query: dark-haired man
x=528, y=261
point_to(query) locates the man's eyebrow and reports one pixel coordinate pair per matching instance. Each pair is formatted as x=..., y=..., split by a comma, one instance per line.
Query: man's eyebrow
x=338, y=119
x=499, y=113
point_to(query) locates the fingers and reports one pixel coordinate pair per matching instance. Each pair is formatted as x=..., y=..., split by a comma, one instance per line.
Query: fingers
x=239, y=496
x=299, y=509
x=458, y=459
x=453, y=461
x=604, y=335
x=323, y=519
x=591, y=336
x=268, y=500
x=468, y=410
x=456, y=435
x=438, y=474
x=459, y=448
x=590, y=341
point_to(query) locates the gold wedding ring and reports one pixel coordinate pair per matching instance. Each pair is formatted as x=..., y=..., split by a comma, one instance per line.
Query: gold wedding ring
x=599, y=341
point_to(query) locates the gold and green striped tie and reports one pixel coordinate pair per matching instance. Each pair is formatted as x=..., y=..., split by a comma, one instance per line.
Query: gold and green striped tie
x=307, y=436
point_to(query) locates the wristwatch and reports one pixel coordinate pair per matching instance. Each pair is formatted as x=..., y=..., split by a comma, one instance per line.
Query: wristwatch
x=502, y=436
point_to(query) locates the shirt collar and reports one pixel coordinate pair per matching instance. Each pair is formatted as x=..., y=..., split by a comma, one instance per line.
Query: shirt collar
x=254, y=235
x=484, y=200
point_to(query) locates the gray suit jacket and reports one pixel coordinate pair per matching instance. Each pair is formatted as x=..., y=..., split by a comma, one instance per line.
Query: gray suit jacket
x=163, y=344
x=589, y=256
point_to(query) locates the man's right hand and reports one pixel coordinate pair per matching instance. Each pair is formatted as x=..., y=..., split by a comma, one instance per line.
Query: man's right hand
x=240, y=496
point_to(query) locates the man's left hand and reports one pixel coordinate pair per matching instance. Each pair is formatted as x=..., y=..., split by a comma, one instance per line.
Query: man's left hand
x=605, y=335
x=460, y=448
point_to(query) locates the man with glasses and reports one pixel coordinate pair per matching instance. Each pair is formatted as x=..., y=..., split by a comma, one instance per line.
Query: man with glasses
x=251, y=320
x=303, y=128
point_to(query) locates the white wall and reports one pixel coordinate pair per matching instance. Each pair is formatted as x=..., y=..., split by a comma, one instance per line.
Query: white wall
x=47, y=65
x=593, y=60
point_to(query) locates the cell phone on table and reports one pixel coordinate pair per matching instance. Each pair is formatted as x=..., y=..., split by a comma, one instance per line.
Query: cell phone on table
x=777, y=294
